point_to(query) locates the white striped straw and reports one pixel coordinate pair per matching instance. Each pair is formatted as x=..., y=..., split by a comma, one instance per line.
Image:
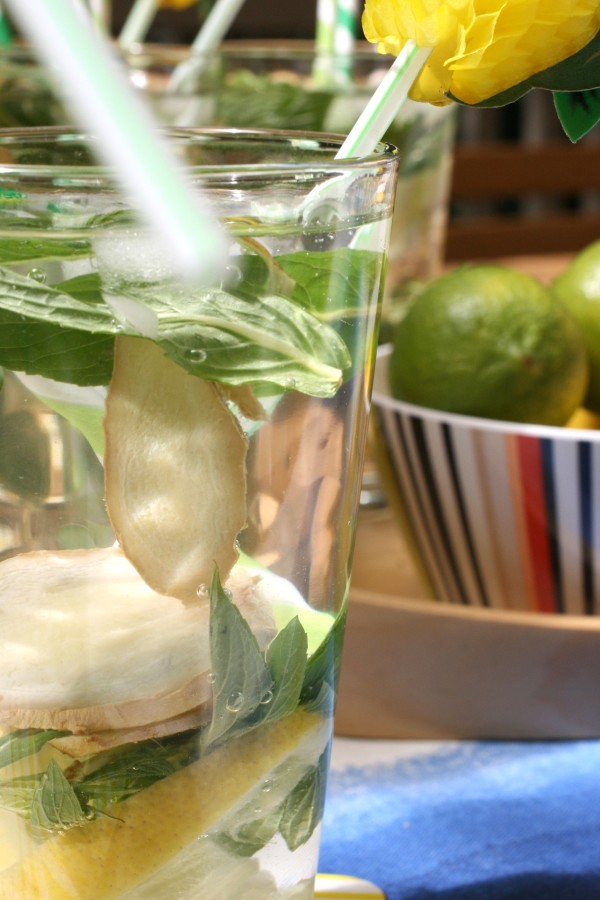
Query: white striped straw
x=383, y=106
x=100, y=11
x=215, y=27
x=325, y=26
x=138, y=21
x=324, y=37
x=344, y=34
x=104, y=102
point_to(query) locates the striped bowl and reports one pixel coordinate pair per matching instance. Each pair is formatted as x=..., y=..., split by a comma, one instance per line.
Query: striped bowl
x=501, y=515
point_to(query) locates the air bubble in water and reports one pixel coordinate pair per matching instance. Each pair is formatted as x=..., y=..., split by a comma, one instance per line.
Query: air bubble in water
x=195, y=355
x=266, y=698
x=202, y=591
x=235, y=702
x=37, y=275
x=211, y=677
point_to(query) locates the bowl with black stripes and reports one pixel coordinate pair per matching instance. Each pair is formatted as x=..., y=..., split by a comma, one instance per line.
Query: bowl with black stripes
x=501, y=514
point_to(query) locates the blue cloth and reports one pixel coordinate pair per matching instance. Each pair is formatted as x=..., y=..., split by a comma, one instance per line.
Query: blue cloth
x=465, y=820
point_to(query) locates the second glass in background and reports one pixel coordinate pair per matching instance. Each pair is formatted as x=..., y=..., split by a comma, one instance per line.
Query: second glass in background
x=252, y=85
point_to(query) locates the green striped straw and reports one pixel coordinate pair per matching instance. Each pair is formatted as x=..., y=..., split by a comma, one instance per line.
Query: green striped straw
x=104, y=102
x=344, y=37
x=382, y=108
x=335, y=35
x=323, y=69
x=100, y=11
x=6, y=32
x=138, y=21
x=215, y=27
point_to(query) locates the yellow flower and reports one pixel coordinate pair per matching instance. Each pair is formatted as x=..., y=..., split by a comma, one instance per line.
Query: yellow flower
x=481, y=47
x=176, y=4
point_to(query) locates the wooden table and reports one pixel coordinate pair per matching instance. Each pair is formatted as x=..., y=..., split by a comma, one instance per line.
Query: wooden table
x=417, y=668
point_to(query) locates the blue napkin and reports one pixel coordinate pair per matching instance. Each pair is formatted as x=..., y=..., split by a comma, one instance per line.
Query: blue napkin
x=466, y=820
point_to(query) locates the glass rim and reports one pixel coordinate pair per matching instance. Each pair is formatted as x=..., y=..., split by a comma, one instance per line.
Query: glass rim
x=273, y=49
x=383, y=153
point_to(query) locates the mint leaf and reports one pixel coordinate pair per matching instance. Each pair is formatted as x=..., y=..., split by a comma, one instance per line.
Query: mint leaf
x=286, y=659
x=132, y=768
x=252, y=836
x=239, y=338
x=241, y=677
x=19, y=250
x=303, y=808
x=24, y=742
x=66, y=333
x=322, y=668
x=17, y=794
x=248, y=100
x=332, y=285
x=44, y=331
x=55, y=806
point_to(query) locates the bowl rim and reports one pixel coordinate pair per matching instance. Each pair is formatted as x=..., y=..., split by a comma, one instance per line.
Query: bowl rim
x=381, y=398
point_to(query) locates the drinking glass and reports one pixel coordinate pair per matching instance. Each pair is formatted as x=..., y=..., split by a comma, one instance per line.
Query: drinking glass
x=179, y=479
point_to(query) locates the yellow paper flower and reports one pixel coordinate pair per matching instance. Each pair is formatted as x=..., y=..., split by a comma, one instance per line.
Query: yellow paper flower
x=481, y=47
x=176, y=4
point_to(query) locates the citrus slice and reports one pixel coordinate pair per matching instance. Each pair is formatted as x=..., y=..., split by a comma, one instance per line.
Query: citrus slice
x=175, y=471
x=110, y=855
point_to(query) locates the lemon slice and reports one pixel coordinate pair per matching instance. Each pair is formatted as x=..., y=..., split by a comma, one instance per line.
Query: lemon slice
x=109, y=856
x=175, y=471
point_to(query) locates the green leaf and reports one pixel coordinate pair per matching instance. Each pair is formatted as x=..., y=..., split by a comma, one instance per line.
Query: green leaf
x=257, y=101
x=132, y=768
x=55, y=806
x=322, y=668
x=44, y=331
x=242, y=339
x=19, y=250
x=252, y=836
x=18, y=793
x=578, y=111
x=303, y=808
x=241, y=676
x=332, y=285
x=286, y=659
x=66, y=333
x=24, y=742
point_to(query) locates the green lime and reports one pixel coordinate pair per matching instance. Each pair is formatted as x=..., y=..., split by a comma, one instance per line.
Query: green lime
x=578, y=287
x=490, y=341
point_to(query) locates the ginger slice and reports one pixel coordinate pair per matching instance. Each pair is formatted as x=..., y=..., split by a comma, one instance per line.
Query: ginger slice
x=175, y=471
x=89, y=647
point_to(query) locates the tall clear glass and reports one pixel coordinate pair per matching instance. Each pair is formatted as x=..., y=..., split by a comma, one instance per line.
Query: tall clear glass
x=179, y=478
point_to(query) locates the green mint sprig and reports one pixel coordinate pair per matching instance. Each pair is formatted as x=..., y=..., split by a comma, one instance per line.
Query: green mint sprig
x=66, y=332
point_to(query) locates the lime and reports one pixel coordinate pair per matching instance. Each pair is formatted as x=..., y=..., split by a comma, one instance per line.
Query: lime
x=578, y=287
x=490, y=341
